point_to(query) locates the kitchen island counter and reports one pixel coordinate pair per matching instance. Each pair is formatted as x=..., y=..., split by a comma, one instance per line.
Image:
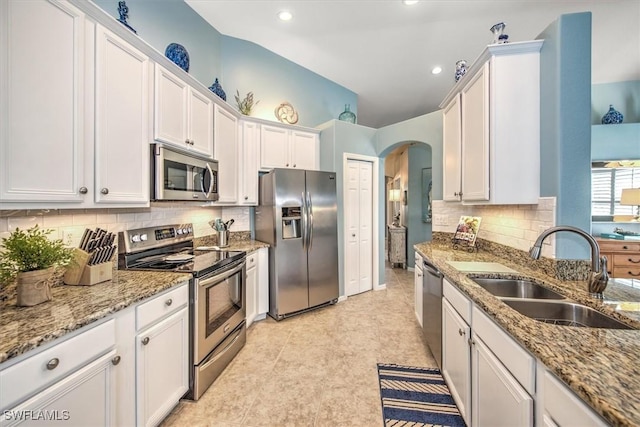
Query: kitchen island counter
x=602, y=366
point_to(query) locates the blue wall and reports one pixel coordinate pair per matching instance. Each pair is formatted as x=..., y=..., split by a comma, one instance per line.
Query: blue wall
x=238, y=64
x=565, y=126
x=417, y=230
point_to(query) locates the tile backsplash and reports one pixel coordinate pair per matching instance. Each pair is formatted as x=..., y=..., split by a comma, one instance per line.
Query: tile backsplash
x=516, y=226
x=69, y=225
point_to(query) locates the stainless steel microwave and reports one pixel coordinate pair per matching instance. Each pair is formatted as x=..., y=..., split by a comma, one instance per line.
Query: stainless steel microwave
x=178, y=175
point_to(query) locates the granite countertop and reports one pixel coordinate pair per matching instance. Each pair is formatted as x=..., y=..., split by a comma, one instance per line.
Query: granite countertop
x=72, y=307
x=602, y=366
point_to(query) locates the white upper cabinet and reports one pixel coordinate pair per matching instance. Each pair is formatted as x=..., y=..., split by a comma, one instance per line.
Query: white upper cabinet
x=183, y=116
x=85, y=142
x=227, y=154
x=123, y=121
x=250, y=147
x=496, y=127
x=285, y=148
x=42, y=77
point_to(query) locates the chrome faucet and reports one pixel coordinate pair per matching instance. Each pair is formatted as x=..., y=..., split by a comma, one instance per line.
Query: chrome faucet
x=599, y=276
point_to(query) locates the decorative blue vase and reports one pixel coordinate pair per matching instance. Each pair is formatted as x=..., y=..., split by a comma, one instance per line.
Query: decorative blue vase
x=179, y=55
x=347, y=115
x=461, y=69
x=217, y=89
x=612, y=117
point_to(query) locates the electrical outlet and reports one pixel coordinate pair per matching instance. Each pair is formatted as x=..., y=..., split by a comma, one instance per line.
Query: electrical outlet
x=67, y=237
x=440, y=219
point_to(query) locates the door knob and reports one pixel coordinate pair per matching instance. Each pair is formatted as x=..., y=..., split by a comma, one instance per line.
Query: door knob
x=168, y=302
x=53, y=363
x=83, y=190
x=105, y=191
x=353, y=235
x=145, y=340
x=115, y=360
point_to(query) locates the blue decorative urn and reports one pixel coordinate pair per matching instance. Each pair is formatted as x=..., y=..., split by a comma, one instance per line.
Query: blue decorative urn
x=612, y=116
x=179, y=55
x=217, y=89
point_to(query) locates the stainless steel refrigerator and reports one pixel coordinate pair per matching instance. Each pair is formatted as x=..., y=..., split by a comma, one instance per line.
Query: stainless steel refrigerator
x=298, y=217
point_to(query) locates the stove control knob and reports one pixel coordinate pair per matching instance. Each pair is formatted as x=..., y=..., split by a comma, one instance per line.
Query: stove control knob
x=143, y=237
x=135, y=238
x=190, y=229
x=178, y=230
x=185, y=231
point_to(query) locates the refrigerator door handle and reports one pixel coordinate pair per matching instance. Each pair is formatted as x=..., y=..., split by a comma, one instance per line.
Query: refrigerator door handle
x=310, y=215
x=304, y=221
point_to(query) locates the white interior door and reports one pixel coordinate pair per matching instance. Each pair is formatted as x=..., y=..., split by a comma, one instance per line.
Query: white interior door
x=359, y=229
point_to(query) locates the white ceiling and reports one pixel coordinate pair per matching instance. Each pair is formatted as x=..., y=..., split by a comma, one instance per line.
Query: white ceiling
x=384, y=51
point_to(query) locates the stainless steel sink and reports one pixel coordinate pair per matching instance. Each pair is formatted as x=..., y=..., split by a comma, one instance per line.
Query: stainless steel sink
x=513, y=288
x=564, y=313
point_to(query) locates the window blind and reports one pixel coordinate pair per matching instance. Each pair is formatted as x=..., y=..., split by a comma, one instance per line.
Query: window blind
x=606, y=189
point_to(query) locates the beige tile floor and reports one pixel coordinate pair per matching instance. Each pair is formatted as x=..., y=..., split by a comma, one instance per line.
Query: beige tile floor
x=318, y=368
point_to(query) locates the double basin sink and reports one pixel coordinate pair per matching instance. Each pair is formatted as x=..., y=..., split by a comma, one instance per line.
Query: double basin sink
x=543, y=304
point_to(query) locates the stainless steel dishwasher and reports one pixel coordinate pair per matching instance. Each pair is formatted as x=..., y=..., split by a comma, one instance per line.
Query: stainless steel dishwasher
x=432, y=309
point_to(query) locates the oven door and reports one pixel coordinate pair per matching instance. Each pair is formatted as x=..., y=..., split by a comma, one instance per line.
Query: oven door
x=181, y=176
x=219, y=307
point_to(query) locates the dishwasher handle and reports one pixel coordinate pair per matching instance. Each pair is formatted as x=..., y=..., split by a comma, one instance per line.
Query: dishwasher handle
x=427, y=267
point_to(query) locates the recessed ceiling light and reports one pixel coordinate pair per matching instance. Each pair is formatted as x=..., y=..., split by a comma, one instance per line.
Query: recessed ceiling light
x=285, y=15
x=436, y=70
x=409, y=2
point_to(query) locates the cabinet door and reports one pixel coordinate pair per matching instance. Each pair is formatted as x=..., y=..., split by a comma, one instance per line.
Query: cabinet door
x=475, y=137
x=252, y=289
x=84, y=398
x=417, y=290
x=452, y=150
x=498, y=399
x=162, y=361
x=226, y=152
x=122, y=121
x=249, y=174
x=304, y=149
x=200, y=123
x=42, y=57
x=274, y=147
x=456, y=358
x=170, y=108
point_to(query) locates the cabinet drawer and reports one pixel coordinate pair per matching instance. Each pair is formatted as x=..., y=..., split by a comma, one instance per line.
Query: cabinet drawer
x=160, y=306
x=626, y=259
x=618, y=246
x=31, y=375
x=517, y=360
x=457, y=299
x=252, y=260
x=628, y=272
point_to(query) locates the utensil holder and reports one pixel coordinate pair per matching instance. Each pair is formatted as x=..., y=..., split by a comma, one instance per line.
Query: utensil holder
x=223, y=238
x=79, y=273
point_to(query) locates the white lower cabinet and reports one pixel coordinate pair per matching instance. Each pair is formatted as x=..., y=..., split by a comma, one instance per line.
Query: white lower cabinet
x=162, y=360
x=498, y=399
x=417, y=288
x=456, y=365
x=257, y=280
x=252, y=287
x=558, y=406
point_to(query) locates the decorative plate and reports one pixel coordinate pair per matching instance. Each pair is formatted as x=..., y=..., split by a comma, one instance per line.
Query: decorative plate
x=179, y=55
x=286, y=114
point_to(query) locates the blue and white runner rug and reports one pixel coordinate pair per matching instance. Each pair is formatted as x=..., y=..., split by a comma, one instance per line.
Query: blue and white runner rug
x=416, y=397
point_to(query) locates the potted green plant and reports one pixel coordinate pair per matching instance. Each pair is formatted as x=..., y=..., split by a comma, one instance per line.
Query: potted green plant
x=31, y=257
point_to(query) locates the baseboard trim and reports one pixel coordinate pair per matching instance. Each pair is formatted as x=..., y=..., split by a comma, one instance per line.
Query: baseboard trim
x=380, y=287
x=342, y=298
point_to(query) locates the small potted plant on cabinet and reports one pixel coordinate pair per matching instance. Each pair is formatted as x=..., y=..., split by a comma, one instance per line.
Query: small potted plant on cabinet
x=31, y=258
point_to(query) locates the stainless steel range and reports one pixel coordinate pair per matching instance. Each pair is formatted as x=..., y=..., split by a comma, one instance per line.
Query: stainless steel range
x=216, y=293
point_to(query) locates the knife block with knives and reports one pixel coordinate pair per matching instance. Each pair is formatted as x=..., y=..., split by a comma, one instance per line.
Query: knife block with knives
x=91, y=264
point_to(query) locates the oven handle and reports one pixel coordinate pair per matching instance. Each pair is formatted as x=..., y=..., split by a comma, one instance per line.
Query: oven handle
x=221, y=276
x=206, y=362
x=211, y=182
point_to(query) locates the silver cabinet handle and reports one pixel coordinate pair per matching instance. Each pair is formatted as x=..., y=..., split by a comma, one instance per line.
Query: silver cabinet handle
x=353, y=235
x=145, y=340
x=246, y=197
x=287, y=165
x=251, y=260
x=83, y=190
x=461, y=332
x=294, y=165
x=53, y=363
x=168, y=302
x=115, y=360
x=105, y=191
x=186, y=141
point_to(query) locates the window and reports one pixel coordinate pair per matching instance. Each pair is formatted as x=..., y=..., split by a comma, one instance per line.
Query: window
x=606, y=187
